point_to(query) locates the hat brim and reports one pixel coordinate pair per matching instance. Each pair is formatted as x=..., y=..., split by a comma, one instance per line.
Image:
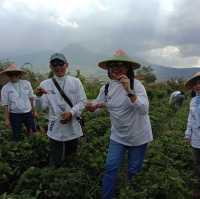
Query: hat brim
x=12, y=71
x=191, y=82
x=105, y=64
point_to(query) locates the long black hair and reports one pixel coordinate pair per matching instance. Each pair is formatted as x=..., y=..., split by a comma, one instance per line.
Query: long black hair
x=131, y=76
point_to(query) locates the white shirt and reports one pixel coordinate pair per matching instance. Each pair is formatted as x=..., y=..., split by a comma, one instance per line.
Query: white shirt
x=56, y=105
x=17, y=100
x=130, y=121
x=193, y=125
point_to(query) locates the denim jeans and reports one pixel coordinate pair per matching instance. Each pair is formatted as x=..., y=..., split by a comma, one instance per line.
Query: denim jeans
x=115, y=156
x=16, y=121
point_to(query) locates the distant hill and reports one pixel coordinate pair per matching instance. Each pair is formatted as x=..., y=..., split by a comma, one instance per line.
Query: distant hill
x=165, y=73
x=86, y=60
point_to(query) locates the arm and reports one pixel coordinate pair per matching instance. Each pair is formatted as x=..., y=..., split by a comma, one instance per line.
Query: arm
x=5, y=102
x=98, y=103
x=31, y=98
x=7, y=116
x=140, y=100
x=41, y=101
x=79, y=106
x=188, y=132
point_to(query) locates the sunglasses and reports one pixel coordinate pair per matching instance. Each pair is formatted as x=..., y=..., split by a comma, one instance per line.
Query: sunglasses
x=13, y=74
x=57, y=62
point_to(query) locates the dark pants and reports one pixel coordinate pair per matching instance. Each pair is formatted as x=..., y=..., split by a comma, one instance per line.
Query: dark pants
x=59, y=151
x=196, y=158
x=16, y=121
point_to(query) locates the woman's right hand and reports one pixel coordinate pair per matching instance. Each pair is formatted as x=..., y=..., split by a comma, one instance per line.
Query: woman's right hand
x=92, y=106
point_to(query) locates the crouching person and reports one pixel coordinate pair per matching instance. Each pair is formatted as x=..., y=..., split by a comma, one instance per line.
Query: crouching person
x=64, y=97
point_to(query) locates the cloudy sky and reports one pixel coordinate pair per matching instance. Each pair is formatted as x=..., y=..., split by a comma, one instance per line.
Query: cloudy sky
x=159, y=31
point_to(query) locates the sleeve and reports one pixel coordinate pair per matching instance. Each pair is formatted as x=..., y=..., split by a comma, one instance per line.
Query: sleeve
x=188, y=131
x=42, y=102
x=81, y=100
x=4, y=97
x=101, y=96
x=142, y=102
x=31, y=94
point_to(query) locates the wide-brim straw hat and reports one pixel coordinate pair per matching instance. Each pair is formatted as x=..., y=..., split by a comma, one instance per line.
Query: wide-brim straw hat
x=119, y=56
x=12, y=68
x=192, y=81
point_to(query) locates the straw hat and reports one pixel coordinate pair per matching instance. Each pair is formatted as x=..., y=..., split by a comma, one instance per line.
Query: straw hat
x=12, y=68
x=119, y=56
x=191, y=82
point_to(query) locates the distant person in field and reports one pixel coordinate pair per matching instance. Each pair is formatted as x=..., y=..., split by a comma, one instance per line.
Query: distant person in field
x=64, y=97
x=192, y=133
x=17, y=98
x=176, y=100
x=128, y=105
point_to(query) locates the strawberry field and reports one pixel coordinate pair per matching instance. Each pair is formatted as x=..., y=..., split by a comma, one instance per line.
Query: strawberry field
x=167, y=171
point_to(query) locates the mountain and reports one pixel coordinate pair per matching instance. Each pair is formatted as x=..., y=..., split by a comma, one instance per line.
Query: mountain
x=86, y=60
x=165, y=72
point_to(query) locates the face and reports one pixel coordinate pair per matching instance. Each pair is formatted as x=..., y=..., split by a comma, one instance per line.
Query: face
x=13, y=76
x=58, y=67
x=118, y=69
x=196, y=86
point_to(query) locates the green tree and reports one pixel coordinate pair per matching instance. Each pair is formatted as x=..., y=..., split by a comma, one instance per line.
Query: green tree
x=146, y=73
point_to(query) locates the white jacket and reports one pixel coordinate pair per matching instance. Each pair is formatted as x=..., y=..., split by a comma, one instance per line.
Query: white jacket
x=56, y=105
x=193, y=125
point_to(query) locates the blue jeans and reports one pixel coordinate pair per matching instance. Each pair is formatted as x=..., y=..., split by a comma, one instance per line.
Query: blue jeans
x=115, y=156
x=16, y=121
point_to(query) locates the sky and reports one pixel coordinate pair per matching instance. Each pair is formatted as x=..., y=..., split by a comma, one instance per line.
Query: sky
x=164, y=32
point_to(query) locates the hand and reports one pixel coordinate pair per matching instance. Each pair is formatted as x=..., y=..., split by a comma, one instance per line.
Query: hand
x=125, y=82
x=188, y=140
x=90, y=107
x=7, y=123
x=34, y=113
x=66, y=117
x=40, y=91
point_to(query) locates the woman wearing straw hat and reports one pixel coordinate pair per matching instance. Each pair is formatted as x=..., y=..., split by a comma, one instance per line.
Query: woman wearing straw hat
x=192, y=133
x=17, y=98
x=127, y=103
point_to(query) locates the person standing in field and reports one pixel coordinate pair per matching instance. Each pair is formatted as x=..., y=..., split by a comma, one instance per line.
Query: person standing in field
x=64, y=97
x=128, y=106
x=176, y=100
x=17, y=99
x=192, y=133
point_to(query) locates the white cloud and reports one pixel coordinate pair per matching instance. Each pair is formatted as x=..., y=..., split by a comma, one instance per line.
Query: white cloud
x=164, y=31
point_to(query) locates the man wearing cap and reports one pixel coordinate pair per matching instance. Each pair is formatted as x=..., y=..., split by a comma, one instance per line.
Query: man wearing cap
x=127, y=103
x=192, y=133
x=17, y=98
x=63, y=128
